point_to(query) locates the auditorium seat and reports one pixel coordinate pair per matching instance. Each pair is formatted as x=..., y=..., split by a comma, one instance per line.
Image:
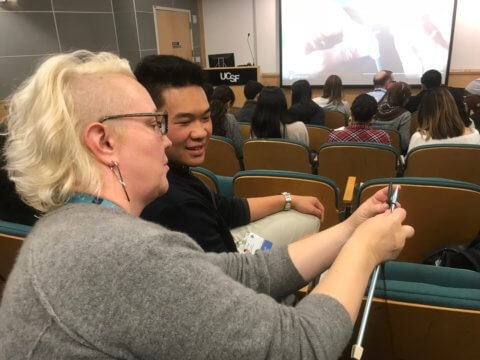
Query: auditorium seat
x=394, y=139
x=277, y=154
x=245, y=130
x=413, y=123
x=318, y=135
x=216, y=183
x=443, y=212
x=365, y=161
x=220, y=157
x=422, y=312
x=335, y=119
x=11, y=239
x=256, y=183
x=451, y=161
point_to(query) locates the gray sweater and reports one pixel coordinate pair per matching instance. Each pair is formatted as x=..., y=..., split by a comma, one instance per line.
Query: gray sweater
x=94, y=282
x=401, y=123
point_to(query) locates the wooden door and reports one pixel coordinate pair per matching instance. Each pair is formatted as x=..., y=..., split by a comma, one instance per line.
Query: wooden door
x=174, y=33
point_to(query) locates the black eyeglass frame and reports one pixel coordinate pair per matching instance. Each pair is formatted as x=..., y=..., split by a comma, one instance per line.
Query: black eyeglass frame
x=162, y=123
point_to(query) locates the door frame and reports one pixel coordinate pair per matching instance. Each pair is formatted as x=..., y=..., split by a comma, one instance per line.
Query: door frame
x=172, y=9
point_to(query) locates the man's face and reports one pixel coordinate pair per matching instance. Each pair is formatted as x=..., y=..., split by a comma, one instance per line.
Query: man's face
x=189, y=124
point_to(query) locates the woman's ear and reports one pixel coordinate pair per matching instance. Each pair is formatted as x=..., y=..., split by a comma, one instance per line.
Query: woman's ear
x=100, y=140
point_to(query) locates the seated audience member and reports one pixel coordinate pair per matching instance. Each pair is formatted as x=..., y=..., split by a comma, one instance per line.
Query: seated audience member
x=459, y=96
x=175, y=85
x=381, y=82
x=332, y=98
x=12, y=208
x=431, y=79
x=225, y=94
x=473, y=101
x=392, y=115
x=224, y=123
x=303, y=107
x=208, y=88
x=440, y=123
x=251, y=90
x=94, y=281
x=271, y=118
x=363, y=108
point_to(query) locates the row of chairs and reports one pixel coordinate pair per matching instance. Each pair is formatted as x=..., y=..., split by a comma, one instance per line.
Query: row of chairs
x=318, y=135
x=443, y=212
x=418, y=311
x=338, y=161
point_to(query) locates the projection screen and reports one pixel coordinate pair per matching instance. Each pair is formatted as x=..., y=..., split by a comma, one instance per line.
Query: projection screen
x=356, y=38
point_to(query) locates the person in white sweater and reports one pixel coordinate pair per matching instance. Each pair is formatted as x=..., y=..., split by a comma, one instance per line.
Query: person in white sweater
x=94, y=281
x=439, y=122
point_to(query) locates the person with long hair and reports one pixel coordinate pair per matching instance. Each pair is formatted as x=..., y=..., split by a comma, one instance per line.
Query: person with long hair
x=224, y=123
x=439, y=121
x=392, y=114
x=271, y=118
x=332, y=98
x=303, y=107
x=86, y=145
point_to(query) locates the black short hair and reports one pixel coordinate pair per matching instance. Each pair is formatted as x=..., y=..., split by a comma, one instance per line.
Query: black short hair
x=159, y=72
x=251, y=89
x=363, y=108
x=431, y=79
x=225, y=94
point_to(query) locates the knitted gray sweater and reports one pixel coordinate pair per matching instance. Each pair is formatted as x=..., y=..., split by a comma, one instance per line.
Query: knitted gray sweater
x=95, y=282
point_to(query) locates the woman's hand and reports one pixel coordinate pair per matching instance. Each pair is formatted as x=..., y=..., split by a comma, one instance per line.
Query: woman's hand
x=383, y=236
x=376, y=204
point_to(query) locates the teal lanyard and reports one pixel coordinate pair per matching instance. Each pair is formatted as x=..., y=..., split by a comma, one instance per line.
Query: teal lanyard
x=78, y=198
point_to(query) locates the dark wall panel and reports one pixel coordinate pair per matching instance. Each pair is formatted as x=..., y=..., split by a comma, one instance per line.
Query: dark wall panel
x=83, y=5
x=25, y=33
x=26, y=5
x=93, y=32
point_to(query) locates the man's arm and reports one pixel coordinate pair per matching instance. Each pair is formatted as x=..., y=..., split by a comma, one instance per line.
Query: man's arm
x=268, y=205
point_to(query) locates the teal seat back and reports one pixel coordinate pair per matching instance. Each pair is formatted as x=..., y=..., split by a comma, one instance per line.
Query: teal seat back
x=216, y=183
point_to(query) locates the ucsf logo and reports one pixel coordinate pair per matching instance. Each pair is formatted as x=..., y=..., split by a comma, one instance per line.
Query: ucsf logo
x=229, y=76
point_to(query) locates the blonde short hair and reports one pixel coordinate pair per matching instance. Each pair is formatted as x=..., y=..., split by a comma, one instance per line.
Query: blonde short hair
x=46, y=158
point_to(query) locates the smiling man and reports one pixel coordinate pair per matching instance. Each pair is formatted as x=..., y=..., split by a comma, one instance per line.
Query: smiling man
x=175, y=85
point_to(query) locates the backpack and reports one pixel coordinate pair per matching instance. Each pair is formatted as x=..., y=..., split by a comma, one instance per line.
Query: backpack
x=459, y=256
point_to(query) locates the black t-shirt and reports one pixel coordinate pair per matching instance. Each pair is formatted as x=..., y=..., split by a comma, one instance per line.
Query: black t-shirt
x=190, y=207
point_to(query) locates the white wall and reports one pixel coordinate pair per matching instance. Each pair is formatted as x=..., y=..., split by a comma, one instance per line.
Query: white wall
x=227, y=23
x=466, y=38
x=267, y=35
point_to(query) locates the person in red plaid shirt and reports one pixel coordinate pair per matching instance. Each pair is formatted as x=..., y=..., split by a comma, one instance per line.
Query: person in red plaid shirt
x=363, y=108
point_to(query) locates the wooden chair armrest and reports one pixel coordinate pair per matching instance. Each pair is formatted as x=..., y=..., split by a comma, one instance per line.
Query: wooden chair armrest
x=349, y=189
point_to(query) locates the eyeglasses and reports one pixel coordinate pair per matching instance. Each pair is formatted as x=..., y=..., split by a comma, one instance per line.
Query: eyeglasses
x=161, y=119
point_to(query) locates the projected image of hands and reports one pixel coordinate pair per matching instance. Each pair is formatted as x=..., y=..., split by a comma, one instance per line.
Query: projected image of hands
x=357, y=38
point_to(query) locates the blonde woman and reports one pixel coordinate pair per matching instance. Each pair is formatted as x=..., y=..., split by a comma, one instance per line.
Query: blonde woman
x=87, y=147
x=439, y=122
